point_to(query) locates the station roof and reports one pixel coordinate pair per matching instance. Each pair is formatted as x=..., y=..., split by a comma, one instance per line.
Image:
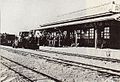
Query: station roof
x=108, y=11
x=112, y=17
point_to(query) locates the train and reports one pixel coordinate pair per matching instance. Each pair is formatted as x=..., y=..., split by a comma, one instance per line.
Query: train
x=26, y=40
x=7, y=39
x=34, y=38
x=50, y=37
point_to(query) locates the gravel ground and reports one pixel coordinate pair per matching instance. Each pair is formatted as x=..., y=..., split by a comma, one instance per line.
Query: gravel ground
x=5, y=72
x=28, y=73
x=60, y=71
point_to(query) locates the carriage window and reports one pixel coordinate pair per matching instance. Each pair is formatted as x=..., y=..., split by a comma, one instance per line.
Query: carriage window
x=92, y=33
x=106, y=33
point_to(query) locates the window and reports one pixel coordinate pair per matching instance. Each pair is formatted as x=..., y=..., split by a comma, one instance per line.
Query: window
x=82, y=32
x=86, y=34
x=78, y=34
x=101, y=34
x=106, y=33
x=92, y=33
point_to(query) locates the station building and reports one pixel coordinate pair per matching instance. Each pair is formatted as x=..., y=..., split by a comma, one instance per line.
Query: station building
x=97, y=27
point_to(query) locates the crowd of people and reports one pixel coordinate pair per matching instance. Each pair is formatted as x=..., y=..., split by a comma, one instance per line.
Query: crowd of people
x=56, y=39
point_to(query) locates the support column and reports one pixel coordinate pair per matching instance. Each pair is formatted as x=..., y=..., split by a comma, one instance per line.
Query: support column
x=96, y=37
x=76, y=40
x=68, y=38
x=59, y=40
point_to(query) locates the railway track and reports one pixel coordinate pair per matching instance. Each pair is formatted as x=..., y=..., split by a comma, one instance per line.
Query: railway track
x=5, y=77
x=6, y=80
x=70, y=62
x=15, y=66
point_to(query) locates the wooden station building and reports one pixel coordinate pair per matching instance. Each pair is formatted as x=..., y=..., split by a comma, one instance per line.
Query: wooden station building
x=97, y=27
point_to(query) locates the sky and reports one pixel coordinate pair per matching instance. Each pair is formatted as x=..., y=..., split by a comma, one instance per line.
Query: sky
x=21, y=15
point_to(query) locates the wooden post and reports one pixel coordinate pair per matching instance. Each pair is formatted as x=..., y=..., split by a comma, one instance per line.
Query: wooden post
x=75, y=38
x=59, y=40
x=96, y=38
x=68, y=38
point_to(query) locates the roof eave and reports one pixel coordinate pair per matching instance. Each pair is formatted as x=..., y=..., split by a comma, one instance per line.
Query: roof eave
x=112, y=17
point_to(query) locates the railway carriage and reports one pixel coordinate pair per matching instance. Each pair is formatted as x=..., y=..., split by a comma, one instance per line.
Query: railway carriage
x=7, y=39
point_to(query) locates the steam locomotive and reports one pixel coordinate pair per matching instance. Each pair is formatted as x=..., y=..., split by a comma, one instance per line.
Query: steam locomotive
x=27, y=40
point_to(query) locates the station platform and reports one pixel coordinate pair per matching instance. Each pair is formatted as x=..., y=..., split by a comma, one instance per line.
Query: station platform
x=106, y=53
x=90, y=51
